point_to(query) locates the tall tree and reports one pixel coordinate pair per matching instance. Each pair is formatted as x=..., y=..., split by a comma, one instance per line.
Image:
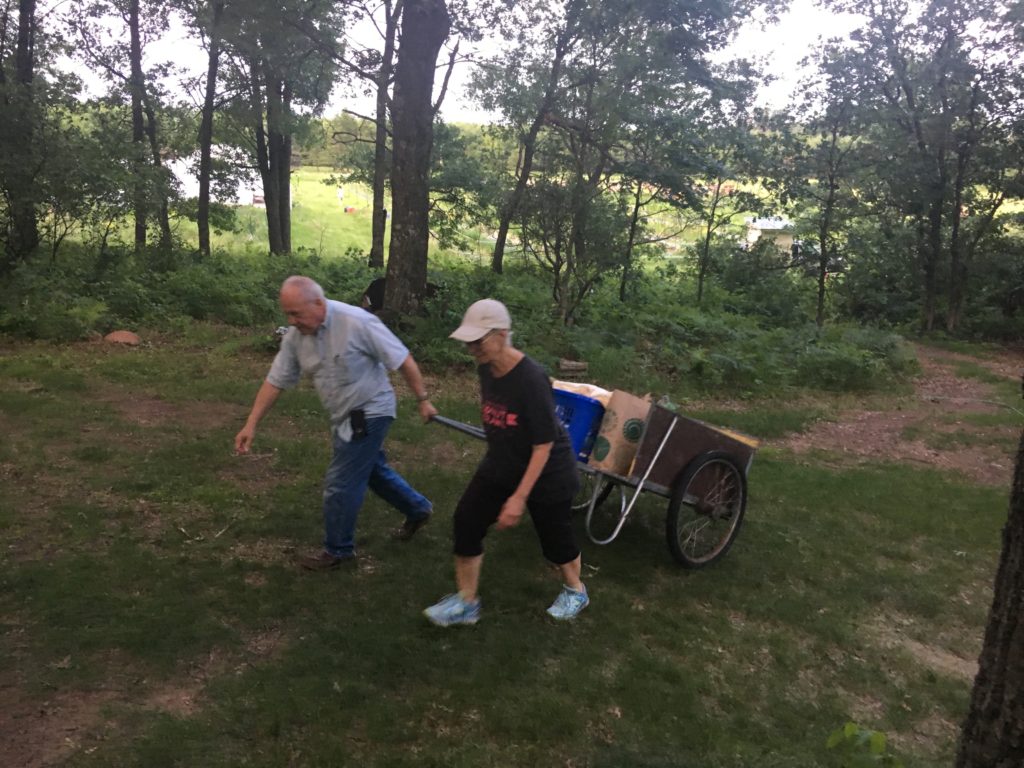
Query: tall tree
x=121, y=62
x=278, y=80
x=20, y=159
x=214, y=34
x=372, y=68
x=546, y=35
x=392, y=16
x=605, y=80
x=938, y=75
x=425, y=27
x=822, y=161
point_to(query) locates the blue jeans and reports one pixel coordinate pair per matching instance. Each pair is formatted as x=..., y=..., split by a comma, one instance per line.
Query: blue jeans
x=354, y=466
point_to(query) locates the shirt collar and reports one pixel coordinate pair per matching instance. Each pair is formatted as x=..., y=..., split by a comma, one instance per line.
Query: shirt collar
x=326, y=324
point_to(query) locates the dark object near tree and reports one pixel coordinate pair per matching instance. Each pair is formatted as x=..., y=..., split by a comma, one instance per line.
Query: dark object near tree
x=993, y=733
x=373, y=296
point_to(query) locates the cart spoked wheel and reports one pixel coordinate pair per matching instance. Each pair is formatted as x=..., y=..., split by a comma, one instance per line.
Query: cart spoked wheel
x=706, y=509
x=581, y=501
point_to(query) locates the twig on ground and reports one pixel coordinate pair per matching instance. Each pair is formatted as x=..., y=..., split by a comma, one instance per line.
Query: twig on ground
x=933, y=398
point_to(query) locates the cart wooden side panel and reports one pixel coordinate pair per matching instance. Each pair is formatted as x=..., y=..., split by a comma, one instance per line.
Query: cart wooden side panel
x=689, y=439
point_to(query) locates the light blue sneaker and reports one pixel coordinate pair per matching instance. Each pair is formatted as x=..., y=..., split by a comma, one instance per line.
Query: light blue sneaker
x=452, y=610
x=569, y=603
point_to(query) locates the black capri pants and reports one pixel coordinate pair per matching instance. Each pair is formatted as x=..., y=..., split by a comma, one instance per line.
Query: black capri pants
x=480, y=505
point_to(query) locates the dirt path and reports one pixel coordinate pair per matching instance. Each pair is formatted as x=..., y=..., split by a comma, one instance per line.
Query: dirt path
x=952, y=423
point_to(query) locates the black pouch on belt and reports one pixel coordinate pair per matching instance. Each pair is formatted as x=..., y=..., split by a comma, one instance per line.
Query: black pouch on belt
x=358, y=419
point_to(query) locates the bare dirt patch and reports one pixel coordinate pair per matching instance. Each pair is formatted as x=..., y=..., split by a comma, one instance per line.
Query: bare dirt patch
x=457, y=454
x=38, y=733
x=263, y=552
x=148, y=411
x=863, y=435
x=893, y=631
x=253, y=473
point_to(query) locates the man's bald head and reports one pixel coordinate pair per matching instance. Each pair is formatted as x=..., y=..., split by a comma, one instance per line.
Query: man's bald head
x=303, y=287
x=303, y=303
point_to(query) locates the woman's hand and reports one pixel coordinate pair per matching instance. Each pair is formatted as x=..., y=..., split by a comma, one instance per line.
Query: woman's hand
x=511, y=512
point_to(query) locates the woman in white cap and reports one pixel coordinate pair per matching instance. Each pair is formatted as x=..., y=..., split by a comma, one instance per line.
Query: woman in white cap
x=529, y=466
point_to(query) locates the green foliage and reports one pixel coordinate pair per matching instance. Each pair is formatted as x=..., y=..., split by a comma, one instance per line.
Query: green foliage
x=757, y=281
x=860, y=747
x=88, y=293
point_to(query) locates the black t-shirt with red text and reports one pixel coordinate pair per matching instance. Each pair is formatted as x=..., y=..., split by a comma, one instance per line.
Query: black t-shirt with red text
x=518, y=412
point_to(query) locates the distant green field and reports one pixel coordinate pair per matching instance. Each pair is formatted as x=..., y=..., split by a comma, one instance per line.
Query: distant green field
x=320, y=221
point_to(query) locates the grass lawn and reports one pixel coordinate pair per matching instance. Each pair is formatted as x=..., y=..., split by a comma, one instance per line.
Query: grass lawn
x=320, y=221
x=152, y=615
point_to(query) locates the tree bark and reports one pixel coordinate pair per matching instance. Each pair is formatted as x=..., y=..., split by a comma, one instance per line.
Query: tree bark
x=135, y=86
x=704, y=259
x=993, y=733
x=825, y=231
x=283, y=142
x=206, y=130
x=259, y=78
x=17, y=137
x=380, y=148
x=425, y=25
x=930, y=256
x=634, y=225
x=163, y=212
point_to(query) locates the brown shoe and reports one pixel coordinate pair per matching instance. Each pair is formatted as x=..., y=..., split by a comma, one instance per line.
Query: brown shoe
x=409, y=527
x=324, y=561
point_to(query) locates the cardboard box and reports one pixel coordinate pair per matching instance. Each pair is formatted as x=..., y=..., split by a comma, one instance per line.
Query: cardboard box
x=620, y=432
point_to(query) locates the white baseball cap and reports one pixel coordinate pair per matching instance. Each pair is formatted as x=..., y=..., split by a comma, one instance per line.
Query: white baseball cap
x=481, y=318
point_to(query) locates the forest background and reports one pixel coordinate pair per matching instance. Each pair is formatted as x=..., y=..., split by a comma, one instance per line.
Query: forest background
x=606, y=204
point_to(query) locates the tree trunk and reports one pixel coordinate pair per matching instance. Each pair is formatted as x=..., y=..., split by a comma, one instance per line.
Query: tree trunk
x=163, y=213
x=263, y=155
x=634, y=223
x=704, y=257
x=425, y=25
x=993, y=733
x=380, y=148
x=284, y=166
x=825, y=240
x=206, y=131
x=957, y=264
x=17, y=140
x=930, y=257
x=135, y=86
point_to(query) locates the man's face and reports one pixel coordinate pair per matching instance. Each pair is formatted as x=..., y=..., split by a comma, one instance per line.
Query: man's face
x=305, y=314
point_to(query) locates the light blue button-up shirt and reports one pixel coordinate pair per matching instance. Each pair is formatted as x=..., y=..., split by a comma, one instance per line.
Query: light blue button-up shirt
x=348, y=358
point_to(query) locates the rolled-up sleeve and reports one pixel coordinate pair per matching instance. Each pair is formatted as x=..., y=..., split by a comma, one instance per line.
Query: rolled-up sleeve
x=285, y=371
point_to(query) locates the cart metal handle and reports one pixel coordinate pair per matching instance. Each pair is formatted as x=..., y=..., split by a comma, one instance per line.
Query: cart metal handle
x=626, y=508
x=459, y=426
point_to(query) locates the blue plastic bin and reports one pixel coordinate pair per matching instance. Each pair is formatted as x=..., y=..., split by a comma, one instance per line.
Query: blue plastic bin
x=581, y=416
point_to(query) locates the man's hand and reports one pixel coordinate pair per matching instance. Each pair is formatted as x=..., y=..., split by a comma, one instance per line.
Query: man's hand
x=427, y=410
x=244, y=438
x=511, y=512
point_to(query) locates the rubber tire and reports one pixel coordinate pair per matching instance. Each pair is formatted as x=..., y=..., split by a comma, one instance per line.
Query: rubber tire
x=676, y=508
